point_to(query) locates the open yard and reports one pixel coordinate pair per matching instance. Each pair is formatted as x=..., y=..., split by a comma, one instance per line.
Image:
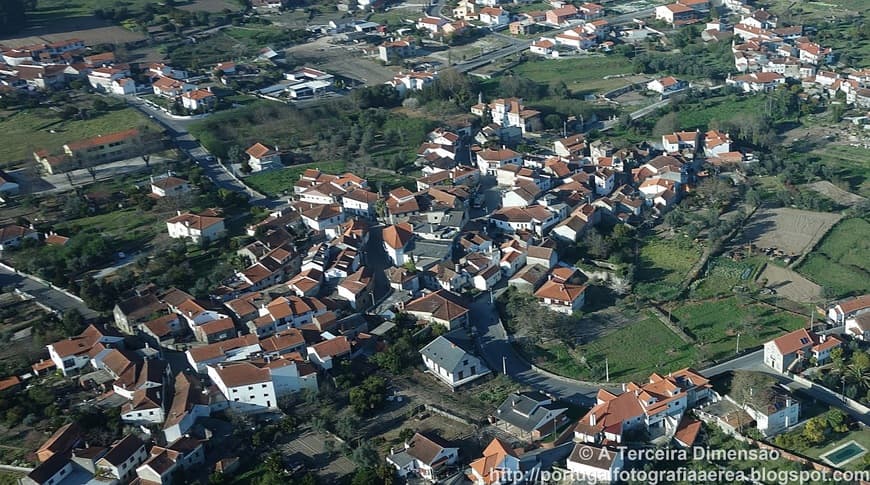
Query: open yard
x=791, y=231
x=840, y=262
x=715, y=325
x=663, y=265
x=790, y=284
x=723, y=108
x=28, y=130
x=582, y=75
x=628, y=357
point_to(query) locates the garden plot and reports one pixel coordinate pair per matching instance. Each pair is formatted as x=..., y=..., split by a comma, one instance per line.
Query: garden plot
x=790, y=284
x=790, y=232
x=835, y=193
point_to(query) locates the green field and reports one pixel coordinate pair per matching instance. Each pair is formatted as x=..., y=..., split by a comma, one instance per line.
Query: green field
x=724, y=108
x=849, y=164
x=633, y=358
x=277, y=181
x=131, y=227
x=840, y=263
x=663, y=265
x=28, y=130
x=715, y=324
x=628, y=357
x=581, y=75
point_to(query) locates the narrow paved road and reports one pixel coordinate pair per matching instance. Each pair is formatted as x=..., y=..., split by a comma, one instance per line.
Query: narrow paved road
x=190, y=145
x=501, y=357
x=44, y=294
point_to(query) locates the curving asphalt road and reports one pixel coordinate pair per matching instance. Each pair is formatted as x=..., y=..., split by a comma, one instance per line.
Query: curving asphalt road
x=501, y=356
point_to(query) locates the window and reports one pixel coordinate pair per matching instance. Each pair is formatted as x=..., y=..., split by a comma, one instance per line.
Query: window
x=250, y=387
x=264, y=386
x=251, y=398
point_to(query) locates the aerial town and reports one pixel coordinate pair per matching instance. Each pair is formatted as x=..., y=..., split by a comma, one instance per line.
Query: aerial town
x=462, y=242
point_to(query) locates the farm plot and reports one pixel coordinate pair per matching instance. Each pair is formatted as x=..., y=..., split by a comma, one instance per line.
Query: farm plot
x=790, y=231
x=839, y=264
x=790, y=284
x=835, y=193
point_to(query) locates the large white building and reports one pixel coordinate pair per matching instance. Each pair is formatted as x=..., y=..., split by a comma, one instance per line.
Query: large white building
x=256, y=386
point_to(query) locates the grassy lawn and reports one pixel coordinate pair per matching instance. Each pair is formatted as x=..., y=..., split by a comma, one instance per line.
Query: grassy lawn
x=723, y=108
x=861, y=437
x=631, y=358
x=715, y=323
x=582, y=75
x=839, y=263
x=396, y=17
x=277, y=181
x=628, y=357
x=28, y=130
x=663, y=265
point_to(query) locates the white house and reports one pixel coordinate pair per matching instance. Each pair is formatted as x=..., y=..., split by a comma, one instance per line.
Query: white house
x=796, y=348
x=859, y=327
x=777, y=416
x=169, y=186
x=560, y=296
x=849, y=308
x=596, y=464
x=397, y=239
x=199, y=100
x=261, y=158
x=493, y=16
x=324, y=218
x=196, y=227
x=247, y=388
x=446, y=359
x=757, y=81
x=71, y=354
x=325, y=354
x=122, y=459
x=424, y=456
x=666, y=85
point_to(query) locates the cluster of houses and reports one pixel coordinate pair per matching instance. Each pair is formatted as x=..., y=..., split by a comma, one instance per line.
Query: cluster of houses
x=43, y=66
x=768, y=54
x=66, y=457
x=99, y=150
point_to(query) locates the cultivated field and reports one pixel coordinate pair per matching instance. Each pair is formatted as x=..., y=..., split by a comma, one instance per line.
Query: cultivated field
x=791, y=231
x=790, y=284
x=835, y=193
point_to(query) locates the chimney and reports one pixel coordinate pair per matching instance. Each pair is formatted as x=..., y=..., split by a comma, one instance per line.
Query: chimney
x=592, y=419
x=178, y=212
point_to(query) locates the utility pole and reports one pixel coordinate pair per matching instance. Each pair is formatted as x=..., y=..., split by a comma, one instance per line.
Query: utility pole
x=738, y=343
x=504, y=364
x=606, y=370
